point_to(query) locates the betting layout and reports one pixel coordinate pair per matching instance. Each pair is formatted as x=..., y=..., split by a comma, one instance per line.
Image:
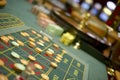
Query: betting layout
x=29, y=55
x=8, y=20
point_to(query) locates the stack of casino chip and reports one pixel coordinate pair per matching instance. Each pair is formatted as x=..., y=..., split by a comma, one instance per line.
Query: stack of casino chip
x=44, y=20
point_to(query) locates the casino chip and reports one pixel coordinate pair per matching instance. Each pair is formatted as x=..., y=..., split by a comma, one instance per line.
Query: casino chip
x=24, y=62
x=32, y=44
x=31, y=39
x=38, y=66
x=4, y=39
x=1, y=62
x=58, y=61
x=38, y=50
x=53, y=64
x=31, y=57
x=15, y=55
x=20, y=43
x=14, y=43
x=39, y=35
x=44, y=77
x=56, y=46
x=60, y=56
x=3, y=77
x=11, y=37
x=33, y=32
x=19, y=67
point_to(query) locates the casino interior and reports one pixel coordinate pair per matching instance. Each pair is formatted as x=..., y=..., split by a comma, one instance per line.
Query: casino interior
x=59, y=39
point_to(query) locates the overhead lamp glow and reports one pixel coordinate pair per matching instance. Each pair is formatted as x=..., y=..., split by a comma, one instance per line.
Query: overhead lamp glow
x=111, y=5
x=98, y=6
x=77, y=1
x=103, y=16
x=89, y=1
x=85, y=6
x=107, y=11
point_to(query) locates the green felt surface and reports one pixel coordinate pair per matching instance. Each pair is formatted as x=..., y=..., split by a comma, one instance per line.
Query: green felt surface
x=22, y=9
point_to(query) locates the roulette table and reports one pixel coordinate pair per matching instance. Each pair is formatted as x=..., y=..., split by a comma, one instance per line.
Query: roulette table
x=68, y=68
x=73, y=65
